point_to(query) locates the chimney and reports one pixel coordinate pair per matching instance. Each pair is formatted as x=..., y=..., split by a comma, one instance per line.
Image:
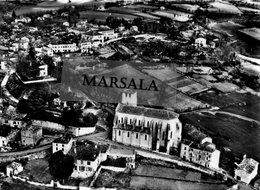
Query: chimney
x=244, y=157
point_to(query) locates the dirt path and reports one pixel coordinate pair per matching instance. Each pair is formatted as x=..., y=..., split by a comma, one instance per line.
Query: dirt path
x=232, y=114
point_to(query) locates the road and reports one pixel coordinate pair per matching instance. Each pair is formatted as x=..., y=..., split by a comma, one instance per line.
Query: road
x=156, y=155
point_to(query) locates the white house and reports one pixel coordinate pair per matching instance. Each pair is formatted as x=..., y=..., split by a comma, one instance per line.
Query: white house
x=15, y=47
x=79, y=131
x=47, y=51
x=246, y=170
x=64, y=144
x=66, y=24
x=23, y=19
x=117, y=152
x=3, y=66
x=11, y=122
x=108, y=34
x=87, y=160
x=204, y=154
x=62, y=48
x=134, y=29
x=43, y=70
x=13, y=169
x=201, y=42
x=85, y=46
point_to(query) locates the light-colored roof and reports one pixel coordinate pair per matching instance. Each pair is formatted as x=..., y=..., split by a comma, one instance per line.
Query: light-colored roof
x=14, y=165
x=248, y=165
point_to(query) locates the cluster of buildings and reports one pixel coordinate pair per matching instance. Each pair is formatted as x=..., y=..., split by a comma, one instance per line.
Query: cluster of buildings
x=88, y=157
x=161, y=130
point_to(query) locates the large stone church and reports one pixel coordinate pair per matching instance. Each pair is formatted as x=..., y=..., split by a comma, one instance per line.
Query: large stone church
x=148, y=128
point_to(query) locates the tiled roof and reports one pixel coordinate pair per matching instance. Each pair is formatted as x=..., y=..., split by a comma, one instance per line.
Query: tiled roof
x=147, y=112
x=209, y=147
x=194, y=133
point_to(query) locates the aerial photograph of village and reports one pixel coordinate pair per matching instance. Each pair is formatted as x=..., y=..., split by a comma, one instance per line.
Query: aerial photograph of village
x=130, y=94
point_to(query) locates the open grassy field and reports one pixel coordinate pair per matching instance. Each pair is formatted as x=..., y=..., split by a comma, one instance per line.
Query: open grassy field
x=141, y=182
x=240, y=136
x=156, y=171
x=102, y=16
x=243, y=104
x=108, y=178
x=37, y=170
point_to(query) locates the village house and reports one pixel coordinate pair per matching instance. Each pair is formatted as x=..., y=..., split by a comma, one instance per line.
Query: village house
x=87, y=158
x=85, y=47
x=66, y=24
x=23, y=20
x=62, y=48
x=134, y=29
x=14, y=169
x=118, y=152
x=246, y=170
x=24, y=43
x=192, y=133
x=94, y=37
x=204, y=154
x=82, y=24
x=108, y=34
x=17, y=123
x=7, y=135
x=47, y=51
x=147, y=128
x=200, y=42
x=43, y=70
x=64, y=144
x=30, y=135
x=3, y=66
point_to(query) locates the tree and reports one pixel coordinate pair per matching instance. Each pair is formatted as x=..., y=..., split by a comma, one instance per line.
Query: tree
x=61, y=166
x=14, y=14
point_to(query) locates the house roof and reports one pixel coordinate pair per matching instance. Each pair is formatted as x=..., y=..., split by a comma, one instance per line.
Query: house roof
x=194, y=133
x=31, y=128
x=209, y=147
x=87, y=152
x=248, y=165
x=147, y=112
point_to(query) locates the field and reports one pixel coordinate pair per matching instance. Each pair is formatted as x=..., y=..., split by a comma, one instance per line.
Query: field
x=109, y=178
x=223, y=7
x=163, y=172
x=176, y=80
x=240, y=136
x=102, y=16
x=141, y=182
x=243, y=104
x=172, y=15
x=37, y=170
x=129, y=11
